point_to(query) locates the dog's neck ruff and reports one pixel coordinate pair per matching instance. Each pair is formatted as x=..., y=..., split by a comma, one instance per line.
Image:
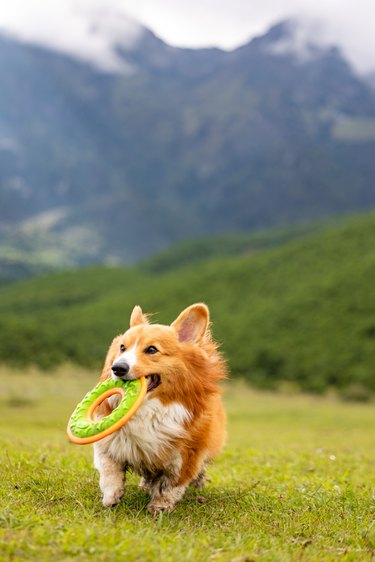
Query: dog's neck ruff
x=149, y=434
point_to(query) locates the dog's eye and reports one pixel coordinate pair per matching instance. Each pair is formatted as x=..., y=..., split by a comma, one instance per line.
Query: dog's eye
x=151, y=349
x=122, y=348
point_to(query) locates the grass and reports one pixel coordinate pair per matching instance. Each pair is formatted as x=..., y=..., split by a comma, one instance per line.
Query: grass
x=295, y=482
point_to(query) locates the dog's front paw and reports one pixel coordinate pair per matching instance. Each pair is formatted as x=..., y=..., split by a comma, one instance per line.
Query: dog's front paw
x=112, y=496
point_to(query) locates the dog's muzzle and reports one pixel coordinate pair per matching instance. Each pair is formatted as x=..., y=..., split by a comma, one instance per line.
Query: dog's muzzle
x=121, y=370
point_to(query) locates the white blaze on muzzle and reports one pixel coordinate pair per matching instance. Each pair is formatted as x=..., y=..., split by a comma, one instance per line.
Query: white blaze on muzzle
x=123, y=366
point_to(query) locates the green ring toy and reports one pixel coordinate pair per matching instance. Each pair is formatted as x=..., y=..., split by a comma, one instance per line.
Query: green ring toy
x=83, y=429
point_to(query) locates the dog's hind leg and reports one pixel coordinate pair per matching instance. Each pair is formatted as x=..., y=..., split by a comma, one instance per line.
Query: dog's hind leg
x=200, y=481
x=111, y=476
x=145, y=485
x=164, y=496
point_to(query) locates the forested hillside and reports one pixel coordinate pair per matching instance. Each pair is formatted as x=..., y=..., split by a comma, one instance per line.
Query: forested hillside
x=302, y=311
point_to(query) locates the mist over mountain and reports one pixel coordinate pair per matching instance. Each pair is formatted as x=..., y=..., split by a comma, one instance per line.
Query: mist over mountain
x=111, y=165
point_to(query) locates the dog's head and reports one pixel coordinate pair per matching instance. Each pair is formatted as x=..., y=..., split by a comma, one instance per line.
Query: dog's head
x=179, y=361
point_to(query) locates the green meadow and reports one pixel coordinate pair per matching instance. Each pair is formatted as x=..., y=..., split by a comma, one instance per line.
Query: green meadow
x=296, y=481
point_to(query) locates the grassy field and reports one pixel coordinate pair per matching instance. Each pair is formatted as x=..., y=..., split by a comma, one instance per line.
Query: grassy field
x=295, y=482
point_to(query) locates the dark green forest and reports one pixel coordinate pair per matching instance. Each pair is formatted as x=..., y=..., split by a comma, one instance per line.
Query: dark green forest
x=294, y=308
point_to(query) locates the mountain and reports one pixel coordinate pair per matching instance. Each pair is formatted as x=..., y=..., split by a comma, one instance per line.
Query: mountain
x=286, y=309
x=112, y=165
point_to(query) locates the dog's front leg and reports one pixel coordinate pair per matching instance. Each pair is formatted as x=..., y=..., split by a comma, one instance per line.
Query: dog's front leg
x=111, y=476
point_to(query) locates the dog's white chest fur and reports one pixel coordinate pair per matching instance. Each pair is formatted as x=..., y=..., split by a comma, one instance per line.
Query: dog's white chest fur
x=149, y=432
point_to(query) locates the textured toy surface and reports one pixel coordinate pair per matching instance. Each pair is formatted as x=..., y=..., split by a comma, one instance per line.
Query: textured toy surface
x=82, y=429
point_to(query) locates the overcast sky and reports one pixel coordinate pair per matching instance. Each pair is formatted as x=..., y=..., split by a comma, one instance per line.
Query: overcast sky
x=67, y=24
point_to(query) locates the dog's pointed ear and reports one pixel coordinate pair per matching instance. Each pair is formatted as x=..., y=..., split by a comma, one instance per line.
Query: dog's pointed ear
x=137, y=317
x=191, y=325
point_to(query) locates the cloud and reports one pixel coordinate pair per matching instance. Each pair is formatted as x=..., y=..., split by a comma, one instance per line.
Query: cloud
x=88, y=28
x=349, y=24
x=229, y=23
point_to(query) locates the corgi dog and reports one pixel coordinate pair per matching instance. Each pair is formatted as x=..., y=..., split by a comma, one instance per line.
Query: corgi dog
x=180, y=426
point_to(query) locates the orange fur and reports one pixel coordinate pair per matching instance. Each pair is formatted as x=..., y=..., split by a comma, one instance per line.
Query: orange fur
x=190, y=368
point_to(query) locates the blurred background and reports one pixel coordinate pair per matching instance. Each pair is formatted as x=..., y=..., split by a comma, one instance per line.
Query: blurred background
x=162, y=152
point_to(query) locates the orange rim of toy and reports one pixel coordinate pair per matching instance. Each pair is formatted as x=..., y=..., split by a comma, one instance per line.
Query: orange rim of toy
x=117, y=425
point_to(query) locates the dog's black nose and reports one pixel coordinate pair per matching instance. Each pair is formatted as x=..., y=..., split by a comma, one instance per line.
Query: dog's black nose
x=120, y=369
